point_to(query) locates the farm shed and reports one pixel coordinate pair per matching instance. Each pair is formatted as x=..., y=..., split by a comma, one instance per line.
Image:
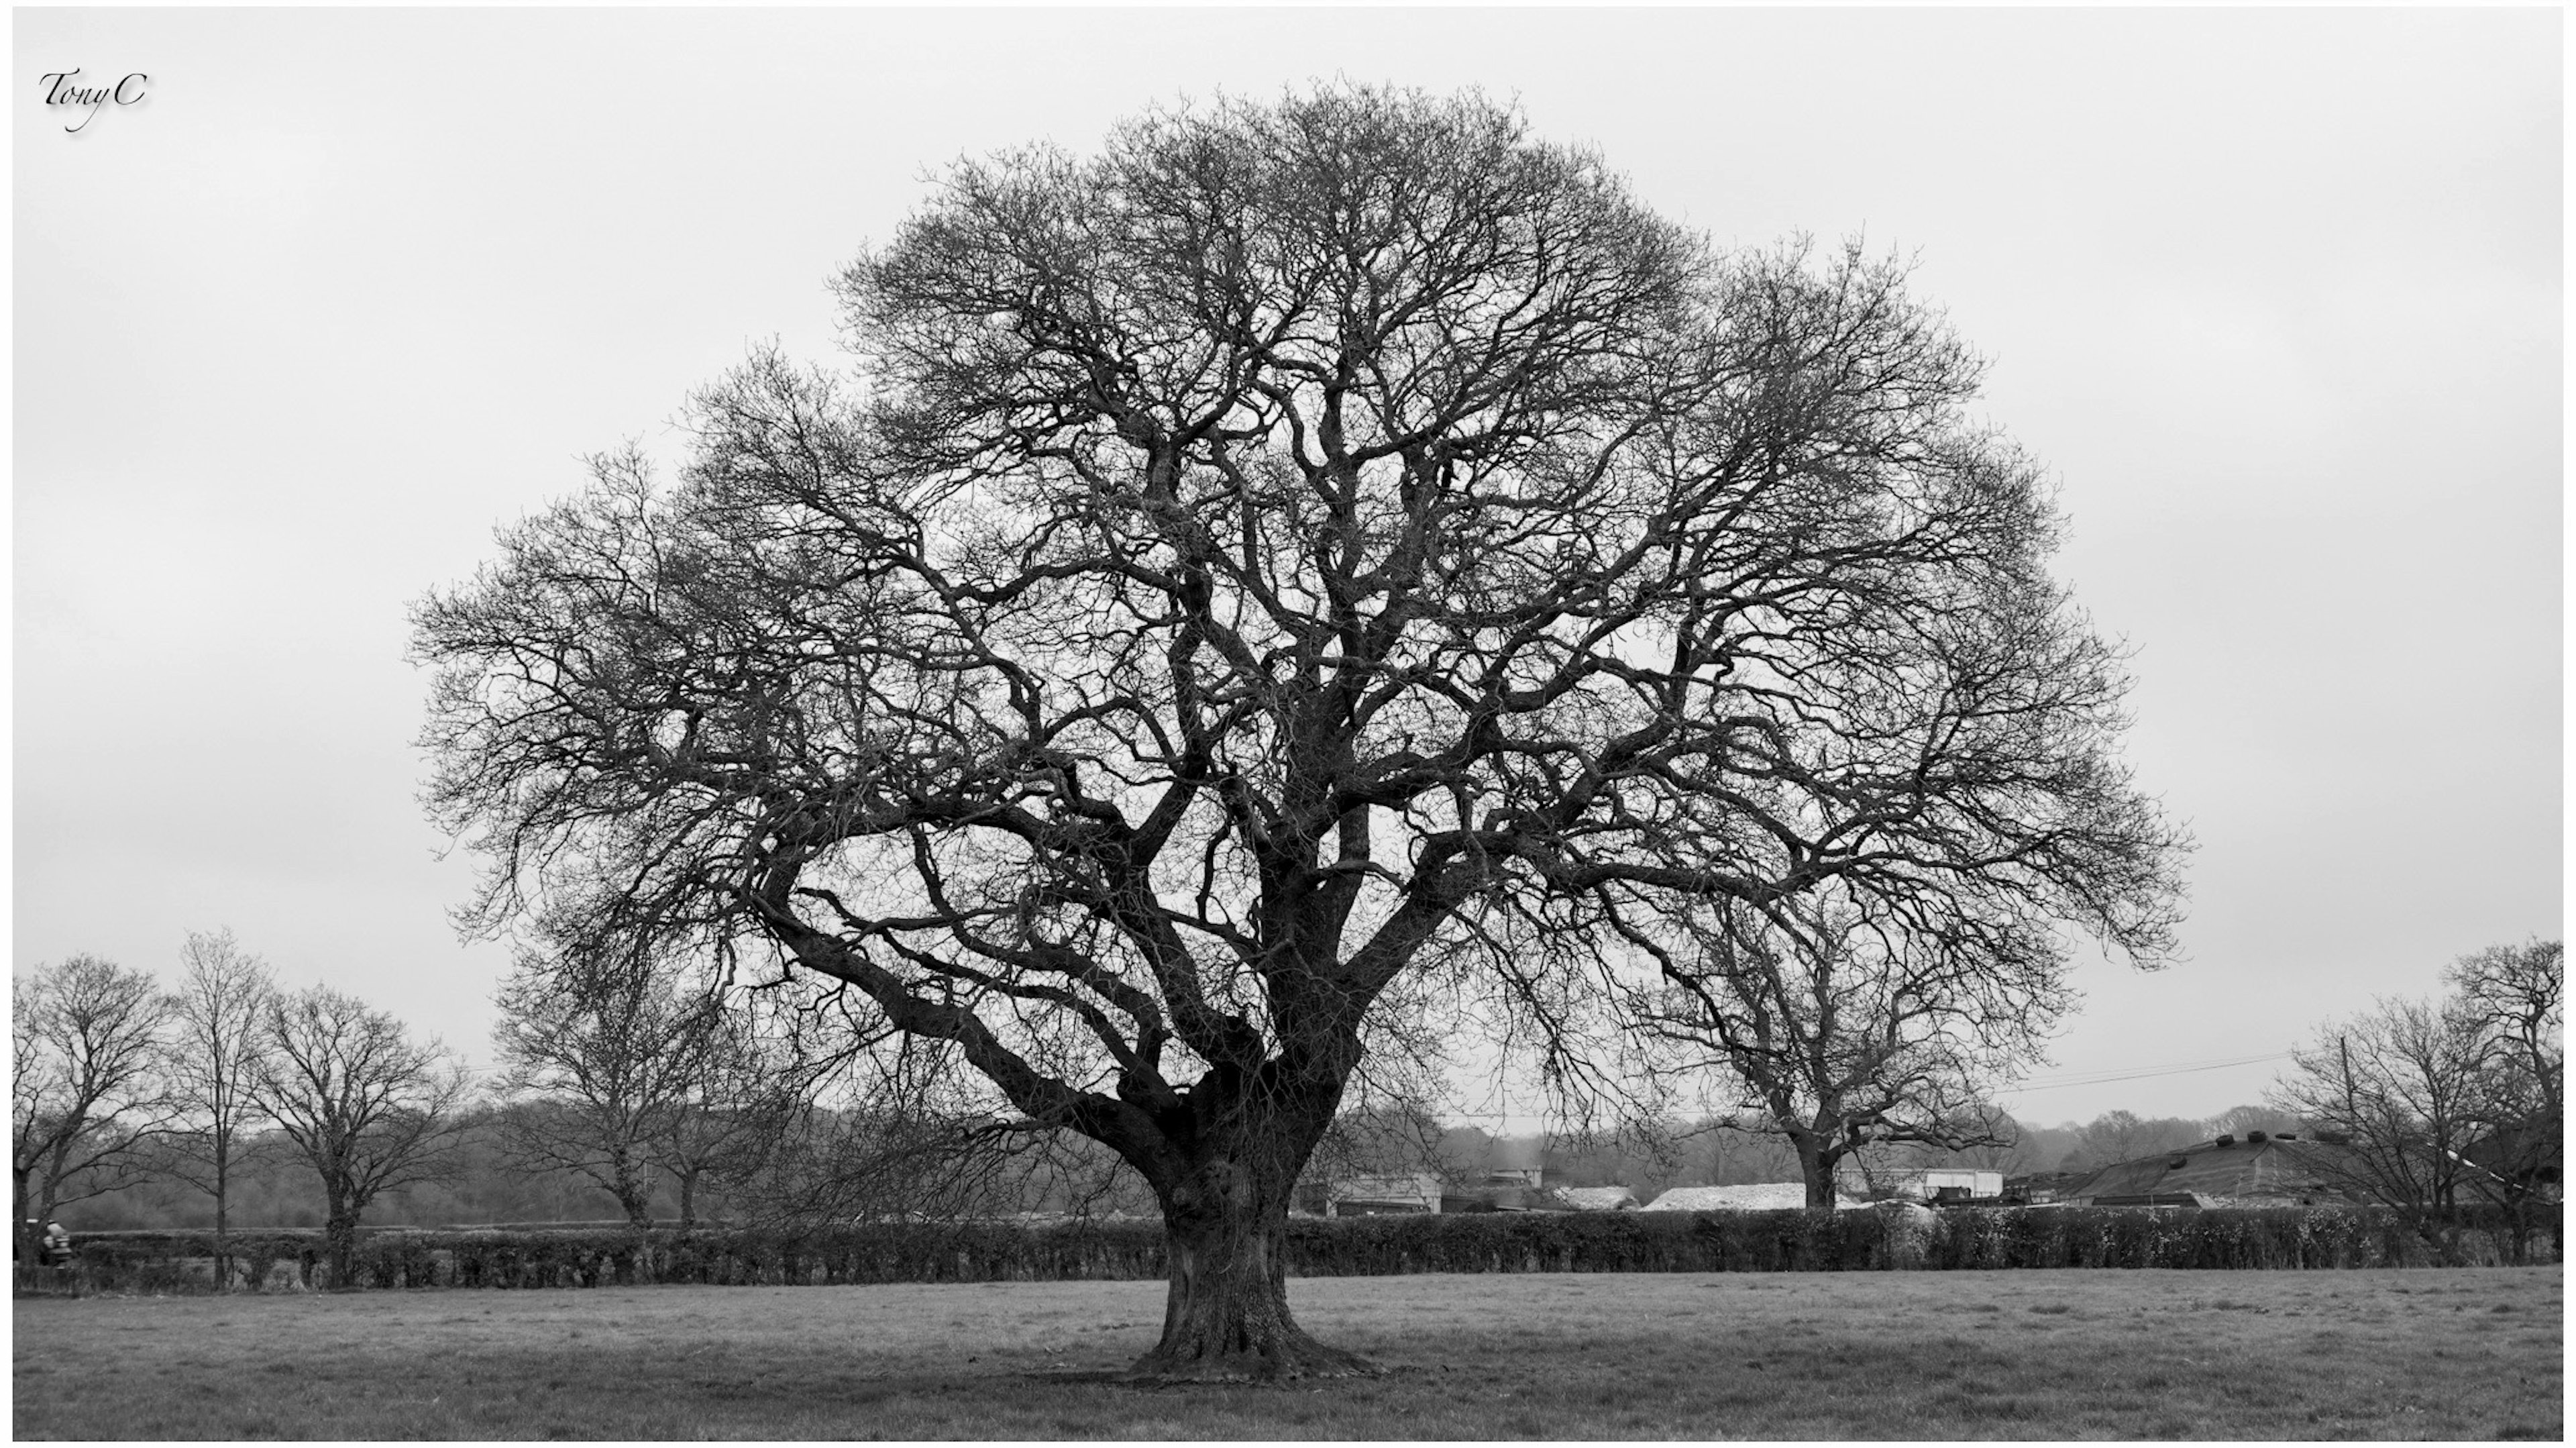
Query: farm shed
x=1514, y=1181
x=1493, y=1197
x=1595, y=1199
x=2040, y=1188
x=1514, y=1161
x=1927, y=1184
x=1364, y=1196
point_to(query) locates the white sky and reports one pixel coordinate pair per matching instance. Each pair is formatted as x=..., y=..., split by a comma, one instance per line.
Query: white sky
x=2277, y=295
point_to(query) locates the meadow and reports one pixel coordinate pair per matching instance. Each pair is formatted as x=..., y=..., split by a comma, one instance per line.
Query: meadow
x=2461, y=1353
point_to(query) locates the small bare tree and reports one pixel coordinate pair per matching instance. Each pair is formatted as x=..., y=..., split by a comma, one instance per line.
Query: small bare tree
x=1841, y=1030
x=87, y=1098
x=367, y=1107
x=219, y=1012
x=608, y=1054
x=758, y=1075
x=2400, y=1084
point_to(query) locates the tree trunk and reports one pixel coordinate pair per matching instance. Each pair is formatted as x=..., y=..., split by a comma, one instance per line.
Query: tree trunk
x=340, y=1240
x=1816, y=1168
x=1226, y=1318
x=223, y=1246
x=18, y=1219
x=634, y=1197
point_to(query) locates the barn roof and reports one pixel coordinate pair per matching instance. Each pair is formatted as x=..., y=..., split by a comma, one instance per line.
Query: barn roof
x=2275, y=1169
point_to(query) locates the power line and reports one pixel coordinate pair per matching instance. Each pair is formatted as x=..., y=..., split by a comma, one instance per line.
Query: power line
x=2105, y=1078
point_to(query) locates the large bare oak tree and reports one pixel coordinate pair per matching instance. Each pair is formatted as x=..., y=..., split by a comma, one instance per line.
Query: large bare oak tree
x=1300, y=545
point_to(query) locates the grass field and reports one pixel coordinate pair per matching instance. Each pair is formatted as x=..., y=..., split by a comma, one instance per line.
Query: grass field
x=2460, y=1353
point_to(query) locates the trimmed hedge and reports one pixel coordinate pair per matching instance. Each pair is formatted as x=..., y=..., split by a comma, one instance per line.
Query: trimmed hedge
x=1884, y=1238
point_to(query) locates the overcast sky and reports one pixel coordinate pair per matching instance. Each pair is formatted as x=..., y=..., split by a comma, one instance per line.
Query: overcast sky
x=2275, y=295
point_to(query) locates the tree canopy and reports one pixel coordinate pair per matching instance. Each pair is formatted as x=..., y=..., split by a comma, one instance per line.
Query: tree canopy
x=1299, y=545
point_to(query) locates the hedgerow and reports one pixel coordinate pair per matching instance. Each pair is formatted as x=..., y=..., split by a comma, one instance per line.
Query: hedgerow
x=1879, y=1239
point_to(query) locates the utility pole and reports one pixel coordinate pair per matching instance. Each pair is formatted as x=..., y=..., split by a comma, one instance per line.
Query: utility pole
x=2344, y=1045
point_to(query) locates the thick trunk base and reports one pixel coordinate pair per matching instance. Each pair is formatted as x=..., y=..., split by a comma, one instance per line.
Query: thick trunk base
x=1278, y=1356
x=1226, y=1319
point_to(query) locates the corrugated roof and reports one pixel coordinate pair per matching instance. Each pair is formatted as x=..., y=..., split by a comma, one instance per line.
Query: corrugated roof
x=2270, y=1170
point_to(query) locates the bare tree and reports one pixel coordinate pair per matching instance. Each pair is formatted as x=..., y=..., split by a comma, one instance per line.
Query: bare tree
x=756, y=1081
x=2400, y=1087
x=366, y=1107
x=1844, y=1031
x=608, y=1053
x=1302, y=545
x=87, y=1099
x=219, y=1013
x=2518, y=994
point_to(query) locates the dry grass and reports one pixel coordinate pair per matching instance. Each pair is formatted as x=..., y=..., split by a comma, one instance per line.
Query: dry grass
x=2250, y=1355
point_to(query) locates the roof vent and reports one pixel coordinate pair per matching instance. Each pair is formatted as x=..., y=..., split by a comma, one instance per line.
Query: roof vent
x=2225, y=1141
x=2255, y=1138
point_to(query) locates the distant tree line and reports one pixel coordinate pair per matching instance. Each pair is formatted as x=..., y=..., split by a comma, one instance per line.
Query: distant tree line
x=116, y=1082
x=624, y=1092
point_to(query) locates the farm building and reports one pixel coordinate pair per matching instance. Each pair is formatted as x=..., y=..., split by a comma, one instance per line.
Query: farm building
x=1514, y=1161
x=1367, y=1196
x=1496, y=1197
x=1595, y=1199
x=2255, y=1170
x=1514, y=1181
x=1944, y=1183
x=2041, y=1188
x=1760, y=1197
